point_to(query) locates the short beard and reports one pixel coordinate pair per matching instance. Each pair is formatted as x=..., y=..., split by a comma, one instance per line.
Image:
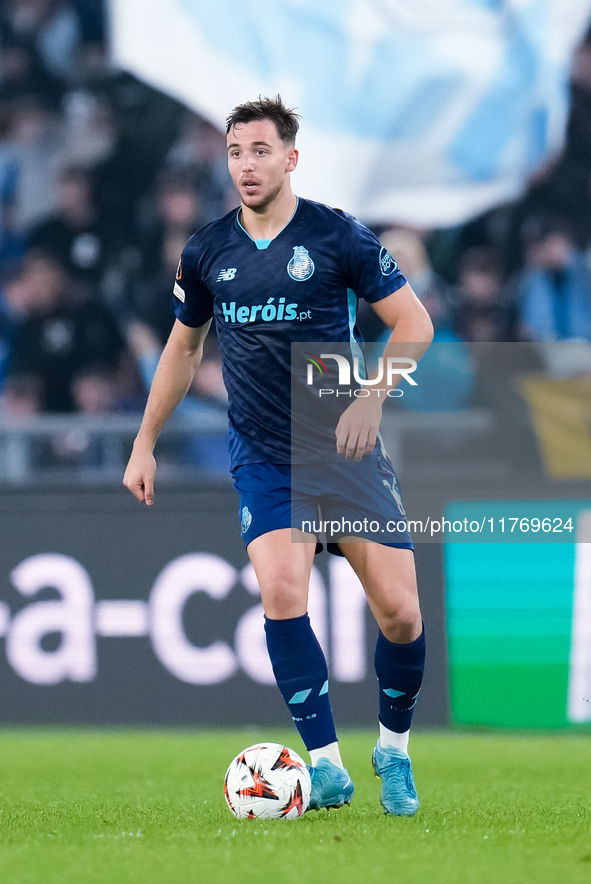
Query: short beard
x=264, y=205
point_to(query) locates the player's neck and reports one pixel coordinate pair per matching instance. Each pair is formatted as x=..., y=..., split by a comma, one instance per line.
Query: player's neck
x=270, y=221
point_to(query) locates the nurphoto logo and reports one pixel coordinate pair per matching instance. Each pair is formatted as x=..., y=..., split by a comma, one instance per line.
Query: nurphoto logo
x=390, y=371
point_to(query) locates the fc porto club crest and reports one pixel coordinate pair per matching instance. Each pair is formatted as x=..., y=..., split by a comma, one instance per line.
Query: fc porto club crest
x=245, y=519
x=387, y=263
x=301, y=266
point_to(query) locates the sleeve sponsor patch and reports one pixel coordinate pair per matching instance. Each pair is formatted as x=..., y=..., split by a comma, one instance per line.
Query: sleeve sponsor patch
x=387, y=263
x=179, y=292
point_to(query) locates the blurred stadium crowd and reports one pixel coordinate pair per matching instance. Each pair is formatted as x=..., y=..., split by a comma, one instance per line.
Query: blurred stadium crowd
x=103, y=179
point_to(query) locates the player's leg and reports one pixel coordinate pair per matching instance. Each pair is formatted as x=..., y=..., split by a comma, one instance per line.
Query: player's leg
x=283, y=572
x=389, y=579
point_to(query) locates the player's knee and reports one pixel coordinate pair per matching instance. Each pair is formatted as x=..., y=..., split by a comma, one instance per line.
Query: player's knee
x=284, y=607
x=283, y=596
x=401, y=623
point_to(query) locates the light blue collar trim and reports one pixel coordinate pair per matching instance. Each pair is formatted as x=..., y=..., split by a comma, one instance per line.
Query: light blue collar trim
x=265, y=243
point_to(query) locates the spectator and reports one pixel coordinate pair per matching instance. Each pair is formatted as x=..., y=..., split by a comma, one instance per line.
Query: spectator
x=75, y=233
x=90, y=127
x=94, y=391
x=10, y=242
x=37, y=138
x=200, y=151
x=482, y=311
x=22, y=395
x=145, y=125
x=177, y=218
x=51, y=28
x=63, y=334
x=23, y=72
x=14, y=302
x=177, y=213
x=553, y=289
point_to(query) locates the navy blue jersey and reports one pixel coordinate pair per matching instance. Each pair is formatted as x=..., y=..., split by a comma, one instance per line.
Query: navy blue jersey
x=304, y=285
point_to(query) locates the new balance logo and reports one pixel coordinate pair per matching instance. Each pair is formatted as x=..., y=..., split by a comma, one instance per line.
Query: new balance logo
x=226, y=275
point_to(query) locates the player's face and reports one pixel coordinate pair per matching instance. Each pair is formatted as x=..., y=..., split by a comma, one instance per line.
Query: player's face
x=259, y=163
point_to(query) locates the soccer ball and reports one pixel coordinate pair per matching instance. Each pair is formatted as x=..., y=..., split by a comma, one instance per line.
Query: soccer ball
x=267, y=781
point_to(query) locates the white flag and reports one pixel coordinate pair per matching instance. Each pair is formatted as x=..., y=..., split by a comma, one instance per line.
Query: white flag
x=424, y=112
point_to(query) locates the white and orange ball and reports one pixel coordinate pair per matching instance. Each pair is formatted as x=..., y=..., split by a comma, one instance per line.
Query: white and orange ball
x=267, y=781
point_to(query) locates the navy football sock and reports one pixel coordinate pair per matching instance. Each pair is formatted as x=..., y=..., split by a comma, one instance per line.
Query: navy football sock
x=399, y=668
x=302, y=677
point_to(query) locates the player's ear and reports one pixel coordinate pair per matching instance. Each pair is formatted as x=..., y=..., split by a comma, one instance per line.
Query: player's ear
x=292, y=159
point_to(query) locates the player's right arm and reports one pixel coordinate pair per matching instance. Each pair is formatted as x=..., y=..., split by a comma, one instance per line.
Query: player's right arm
x=178, y=363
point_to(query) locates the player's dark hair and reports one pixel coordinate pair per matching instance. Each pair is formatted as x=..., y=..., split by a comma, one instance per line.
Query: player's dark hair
x=285, y=119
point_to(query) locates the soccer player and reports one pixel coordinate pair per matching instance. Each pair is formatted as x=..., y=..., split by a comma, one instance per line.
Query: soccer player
x=282, y=269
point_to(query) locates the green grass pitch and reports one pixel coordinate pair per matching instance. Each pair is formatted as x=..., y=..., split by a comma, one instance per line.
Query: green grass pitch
x=147, y=807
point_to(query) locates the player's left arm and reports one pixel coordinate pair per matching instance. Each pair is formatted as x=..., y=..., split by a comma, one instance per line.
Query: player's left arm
x=405, y=315
x=412, y=332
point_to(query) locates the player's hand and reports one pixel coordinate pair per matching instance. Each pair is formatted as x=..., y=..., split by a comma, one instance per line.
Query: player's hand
x=139, y=476
x=357, y=429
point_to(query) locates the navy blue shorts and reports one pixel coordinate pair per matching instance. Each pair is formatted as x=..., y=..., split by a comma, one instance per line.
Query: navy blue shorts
x=330, y=501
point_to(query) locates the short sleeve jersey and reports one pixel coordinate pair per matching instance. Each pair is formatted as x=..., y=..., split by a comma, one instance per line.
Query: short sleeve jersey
x=304, y=285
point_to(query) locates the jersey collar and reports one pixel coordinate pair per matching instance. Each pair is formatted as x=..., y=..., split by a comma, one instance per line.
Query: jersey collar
x=265, y=243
